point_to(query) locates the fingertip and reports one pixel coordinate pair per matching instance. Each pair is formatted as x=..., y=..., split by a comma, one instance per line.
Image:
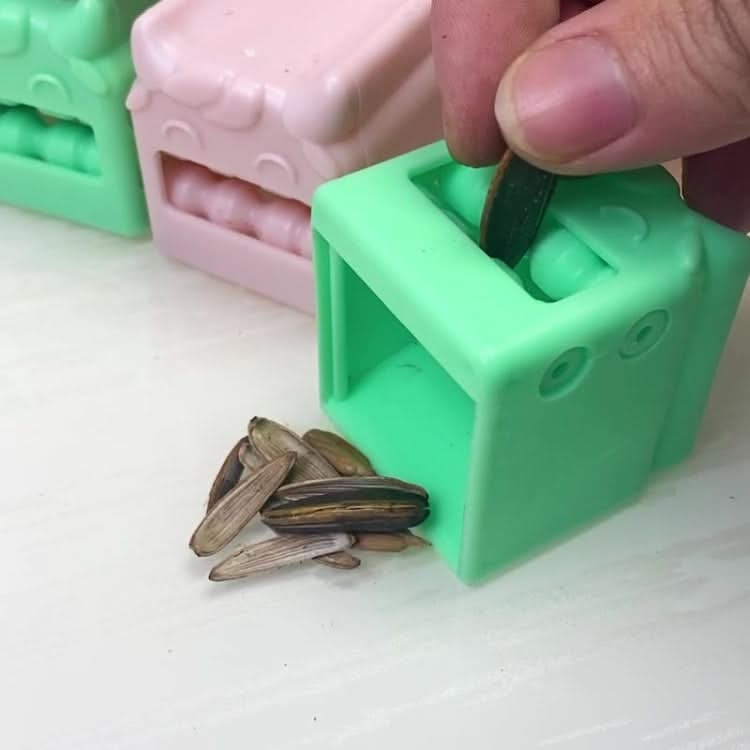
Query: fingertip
x=475, y=155
x=472, y=142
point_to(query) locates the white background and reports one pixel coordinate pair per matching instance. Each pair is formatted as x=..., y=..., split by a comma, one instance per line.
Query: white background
x=124, y=379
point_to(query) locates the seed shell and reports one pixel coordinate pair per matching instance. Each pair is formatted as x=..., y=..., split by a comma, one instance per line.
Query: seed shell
x=250, y=458
x=340, y=560
x=351, y=504
x=229, y=474
x=278, y=552
x=393, y=542
x=516, y=203
x=230, y=514
x=271, y=439
x=414, y=540
x=342, y=455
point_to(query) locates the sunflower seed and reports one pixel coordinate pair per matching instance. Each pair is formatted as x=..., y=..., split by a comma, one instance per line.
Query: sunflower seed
x=349, y=487
x=516, y=203
x=229, y=475
x=394, y=542
x=378, y=504
x=278, y=553
x=250, y=458
x=272, y=439
x=230, y=514
x=342, y=455
x=414, y=540
x=341, y=560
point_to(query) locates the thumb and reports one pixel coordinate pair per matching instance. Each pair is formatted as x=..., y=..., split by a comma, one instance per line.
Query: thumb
x=629, y=83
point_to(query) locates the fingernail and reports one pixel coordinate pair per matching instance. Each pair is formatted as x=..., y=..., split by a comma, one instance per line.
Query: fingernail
x=566, y=100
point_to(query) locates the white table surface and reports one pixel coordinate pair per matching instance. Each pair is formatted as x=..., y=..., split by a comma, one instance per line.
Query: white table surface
x=124, y=378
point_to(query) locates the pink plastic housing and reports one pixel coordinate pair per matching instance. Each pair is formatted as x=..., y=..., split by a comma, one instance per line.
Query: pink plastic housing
x=241, y=109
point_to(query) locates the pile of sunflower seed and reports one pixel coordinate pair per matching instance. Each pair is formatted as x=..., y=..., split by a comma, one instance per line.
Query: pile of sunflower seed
x=318, y=493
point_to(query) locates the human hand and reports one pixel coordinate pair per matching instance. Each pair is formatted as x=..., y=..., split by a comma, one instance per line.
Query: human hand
x=585, y=86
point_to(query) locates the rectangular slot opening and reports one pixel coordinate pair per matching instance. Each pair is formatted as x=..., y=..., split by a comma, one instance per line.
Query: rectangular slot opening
x=563, y=265
x=52, y=139
x=237, y=205
x=394, y=399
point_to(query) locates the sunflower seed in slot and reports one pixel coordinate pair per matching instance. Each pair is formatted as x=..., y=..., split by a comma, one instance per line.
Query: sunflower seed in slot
x=514, y=209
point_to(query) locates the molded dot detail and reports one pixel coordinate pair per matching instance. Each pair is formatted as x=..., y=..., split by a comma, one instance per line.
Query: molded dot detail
x=645, y=334
x=564, y=373
x=49, y=89
x=178, y=132
x=271, y=166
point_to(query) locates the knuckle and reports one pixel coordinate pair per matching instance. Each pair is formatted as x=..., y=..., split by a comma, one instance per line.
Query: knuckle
x=711, y=38
x=731, y=21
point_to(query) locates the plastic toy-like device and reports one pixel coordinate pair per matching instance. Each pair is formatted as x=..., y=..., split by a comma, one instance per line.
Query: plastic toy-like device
x=238, y=125
x=528, y=402
x=66, y=141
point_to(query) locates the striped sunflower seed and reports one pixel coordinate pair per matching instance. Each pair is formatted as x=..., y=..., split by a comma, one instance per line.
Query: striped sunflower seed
x=394, y=542
x=338, y=560
x=271, y=439
x=346, y=504
x=514, y=209
x=229, y=475
x=342, y=455
x=278, y=552
x=341, y=560
x=230, y=514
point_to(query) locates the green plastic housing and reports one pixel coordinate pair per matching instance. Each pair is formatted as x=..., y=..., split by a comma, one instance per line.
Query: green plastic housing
x=66, y=141
x=528, y=402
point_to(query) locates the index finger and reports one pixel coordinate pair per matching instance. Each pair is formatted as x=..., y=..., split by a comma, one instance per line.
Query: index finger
x=473, y=44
